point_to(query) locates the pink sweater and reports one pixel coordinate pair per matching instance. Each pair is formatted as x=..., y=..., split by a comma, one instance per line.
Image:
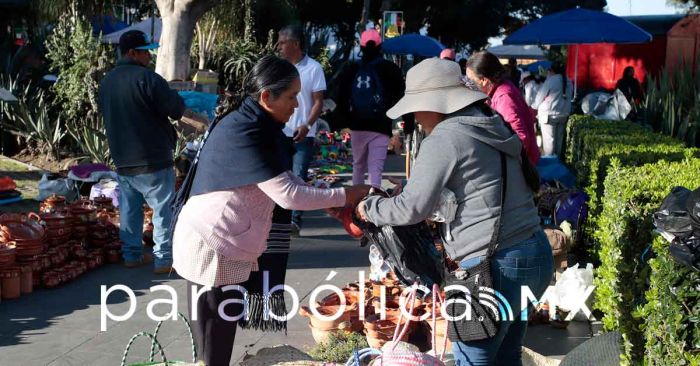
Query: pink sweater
x=507, y=100
x=236, y=223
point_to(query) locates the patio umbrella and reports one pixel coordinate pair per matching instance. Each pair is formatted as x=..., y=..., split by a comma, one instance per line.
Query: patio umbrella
x=413, y=44
x=578, y=26
x=518, y=51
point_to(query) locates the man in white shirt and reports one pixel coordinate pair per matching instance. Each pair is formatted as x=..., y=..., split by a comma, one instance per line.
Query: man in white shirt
x=301, y=127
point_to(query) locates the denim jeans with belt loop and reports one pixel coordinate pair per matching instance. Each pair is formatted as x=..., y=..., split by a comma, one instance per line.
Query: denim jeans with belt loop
x=528, y=263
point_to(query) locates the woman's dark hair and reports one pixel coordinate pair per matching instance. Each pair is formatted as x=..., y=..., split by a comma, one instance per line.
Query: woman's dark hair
x=487, y=65
x=628, y=70
x=269, y=73
x=559, y=68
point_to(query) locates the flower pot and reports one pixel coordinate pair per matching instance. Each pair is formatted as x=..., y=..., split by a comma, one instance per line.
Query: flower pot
x=11, y=287
x=322, y=324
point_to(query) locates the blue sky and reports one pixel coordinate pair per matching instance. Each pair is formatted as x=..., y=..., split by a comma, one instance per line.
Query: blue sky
x=640, y=7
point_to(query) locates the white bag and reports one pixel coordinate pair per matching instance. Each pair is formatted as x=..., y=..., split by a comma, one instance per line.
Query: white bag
x=62, y=187
x=571, y=286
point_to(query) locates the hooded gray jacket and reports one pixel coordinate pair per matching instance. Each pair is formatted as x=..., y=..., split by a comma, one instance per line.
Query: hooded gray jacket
x=462, y=155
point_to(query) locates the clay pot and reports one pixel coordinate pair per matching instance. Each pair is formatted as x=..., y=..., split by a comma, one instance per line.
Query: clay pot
x=103, y=202
x=53, y=203
x=7, y=254
x=51, y=279
x=56, y=220
x=26, y=281
x=321, y=335
x=11, y=286
x=114, y=256
x=83, y=211
x=321, y=324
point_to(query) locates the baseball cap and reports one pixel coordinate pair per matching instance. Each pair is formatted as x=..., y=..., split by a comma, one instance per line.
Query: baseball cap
x=370, y=35
x=137, y=40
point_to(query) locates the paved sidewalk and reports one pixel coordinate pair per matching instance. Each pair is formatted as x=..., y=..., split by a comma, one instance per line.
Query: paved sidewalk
x=62, y=326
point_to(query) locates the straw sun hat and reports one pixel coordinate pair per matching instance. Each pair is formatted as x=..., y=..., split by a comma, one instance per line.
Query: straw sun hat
x=434, y=85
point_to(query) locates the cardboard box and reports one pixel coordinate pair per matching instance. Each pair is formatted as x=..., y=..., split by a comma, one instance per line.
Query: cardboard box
x=206, y=77
x=181, y=85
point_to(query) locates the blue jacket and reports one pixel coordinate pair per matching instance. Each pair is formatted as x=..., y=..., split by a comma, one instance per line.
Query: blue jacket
x=135, y=103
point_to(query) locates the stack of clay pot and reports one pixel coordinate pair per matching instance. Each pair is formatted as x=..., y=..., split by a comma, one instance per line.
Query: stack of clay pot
x=378, y=330
x=331, y=305
x=21, y=242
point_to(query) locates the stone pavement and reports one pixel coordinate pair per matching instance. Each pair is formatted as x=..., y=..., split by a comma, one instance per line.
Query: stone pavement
x=62, y=326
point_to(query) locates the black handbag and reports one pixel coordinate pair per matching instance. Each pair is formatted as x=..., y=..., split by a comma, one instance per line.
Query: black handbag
x=483, y=320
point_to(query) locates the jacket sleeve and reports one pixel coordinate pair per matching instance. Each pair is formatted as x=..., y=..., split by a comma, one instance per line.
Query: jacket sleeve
x=542, y=93
x=166, y=100
x=292, y=195
x=505, y=105
x=434, y=167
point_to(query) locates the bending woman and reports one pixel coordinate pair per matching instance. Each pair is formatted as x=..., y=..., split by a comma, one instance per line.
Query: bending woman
x=238, y=178
x=464, y=152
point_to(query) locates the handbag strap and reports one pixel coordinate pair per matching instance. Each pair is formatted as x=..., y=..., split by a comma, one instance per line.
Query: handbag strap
x=497, y=226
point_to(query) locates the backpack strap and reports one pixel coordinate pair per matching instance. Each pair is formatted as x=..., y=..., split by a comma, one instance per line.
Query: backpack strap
x=497, y=226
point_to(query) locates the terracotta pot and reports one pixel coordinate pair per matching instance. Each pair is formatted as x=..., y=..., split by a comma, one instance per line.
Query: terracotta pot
x=11, y=286
x=26, y=281
x=321, y=335
x=114, y=256
x=8, y=253
x=56, y=220
x=19, y=228
x=51, y=279
x=103, y=202
x=321, y=324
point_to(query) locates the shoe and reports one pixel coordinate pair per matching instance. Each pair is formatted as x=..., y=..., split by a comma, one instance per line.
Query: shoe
x=163, y=270
x=296, y=229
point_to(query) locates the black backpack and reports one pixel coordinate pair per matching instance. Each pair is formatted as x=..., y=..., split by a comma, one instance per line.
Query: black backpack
x=368, y=101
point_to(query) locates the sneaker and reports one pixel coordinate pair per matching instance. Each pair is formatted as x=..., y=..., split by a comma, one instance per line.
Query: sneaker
x=163, y=270
x=296, y=229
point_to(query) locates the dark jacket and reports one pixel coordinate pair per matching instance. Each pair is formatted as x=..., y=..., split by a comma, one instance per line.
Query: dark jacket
x=136, y=103
x=392, y=84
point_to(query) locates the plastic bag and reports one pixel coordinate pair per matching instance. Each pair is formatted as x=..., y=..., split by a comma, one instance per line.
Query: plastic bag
x=571, y=286
x=409, y=251
x=551, y=169
x=672, y=217
x=60, y=186
x=686, y=252
x=614, y=107
x=692, y=205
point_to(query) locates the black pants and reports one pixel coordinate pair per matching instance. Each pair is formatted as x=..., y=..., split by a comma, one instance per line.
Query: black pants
x=213, y=335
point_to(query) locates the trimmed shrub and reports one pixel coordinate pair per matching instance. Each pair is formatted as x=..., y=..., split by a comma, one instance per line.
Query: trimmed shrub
x=624, y=232
x=672, y=311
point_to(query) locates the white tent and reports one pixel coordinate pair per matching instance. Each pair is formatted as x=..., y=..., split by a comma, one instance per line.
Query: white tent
x=150, y=26
x=518, y=51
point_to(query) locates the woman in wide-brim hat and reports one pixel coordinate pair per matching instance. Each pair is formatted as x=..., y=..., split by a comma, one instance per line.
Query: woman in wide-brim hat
x=467, y=146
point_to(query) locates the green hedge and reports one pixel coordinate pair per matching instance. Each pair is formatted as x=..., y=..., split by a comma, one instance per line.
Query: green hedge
x=623, y=231
x=672, y=312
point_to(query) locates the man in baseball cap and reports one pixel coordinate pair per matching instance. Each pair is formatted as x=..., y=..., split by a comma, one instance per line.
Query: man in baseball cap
x=136, y=44
x=136, y=104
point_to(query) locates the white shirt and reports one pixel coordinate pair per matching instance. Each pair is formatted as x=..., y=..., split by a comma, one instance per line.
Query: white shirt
x=551, y=101
x=312, y=80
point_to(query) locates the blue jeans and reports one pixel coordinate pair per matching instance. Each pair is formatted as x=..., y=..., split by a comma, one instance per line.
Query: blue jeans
x=300, y=165
x=528, y=263
x=158, y=190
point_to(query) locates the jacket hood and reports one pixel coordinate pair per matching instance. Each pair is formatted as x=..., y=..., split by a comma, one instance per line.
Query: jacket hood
x=490, y=130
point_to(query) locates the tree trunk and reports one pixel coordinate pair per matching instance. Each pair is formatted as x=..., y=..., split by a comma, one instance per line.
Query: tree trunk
x=179, y=19
x=365, y=16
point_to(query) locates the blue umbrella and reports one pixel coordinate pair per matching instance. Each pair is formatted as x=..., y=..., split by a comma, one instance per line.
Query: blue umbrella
x=578, y=26
x=413, y=44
